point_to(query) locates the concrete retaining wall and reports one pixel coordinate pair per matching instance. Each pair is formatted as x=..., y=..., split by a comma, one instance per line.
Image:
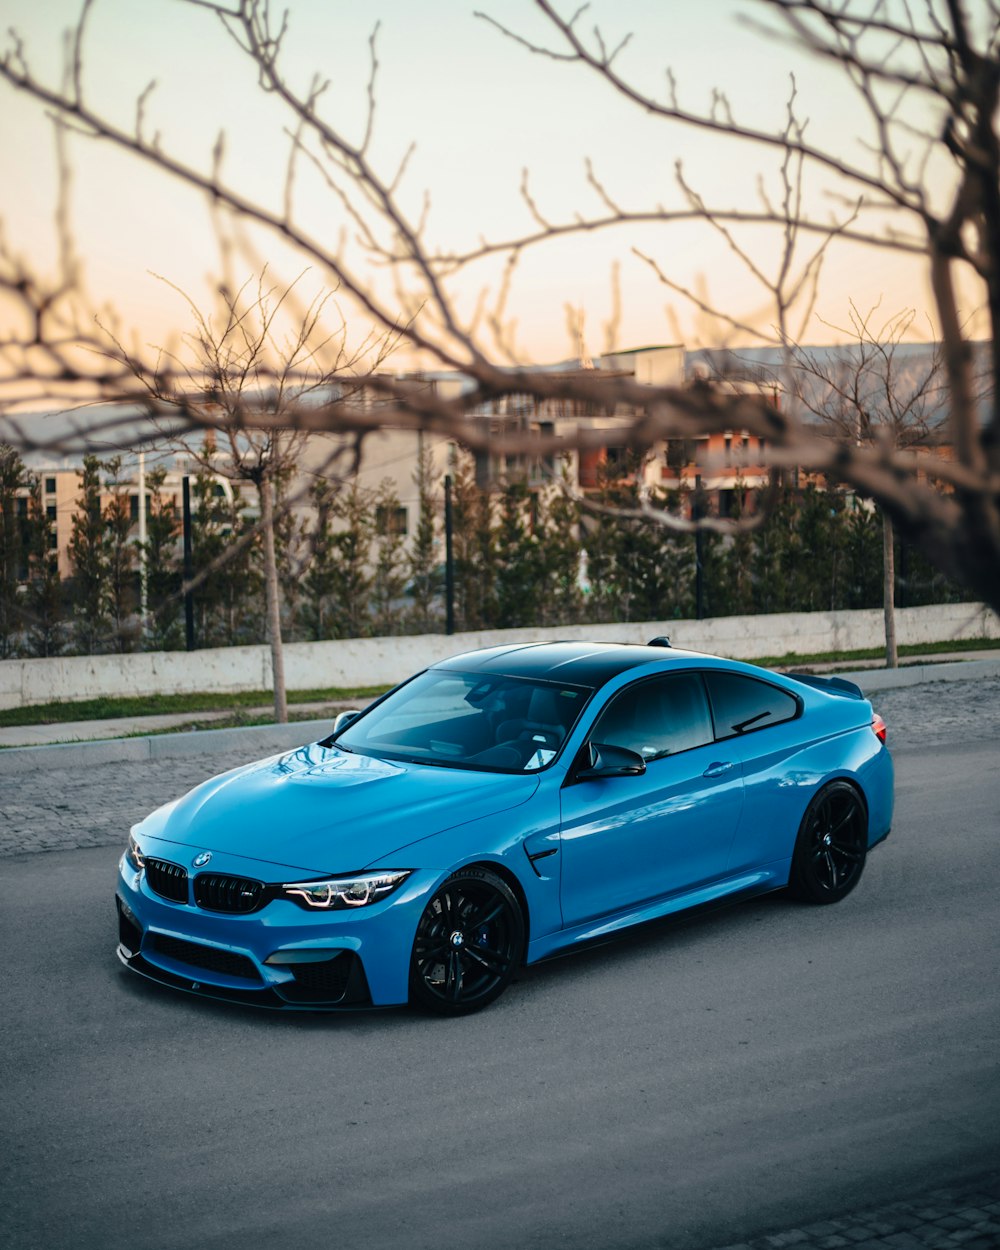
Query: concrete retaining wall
x=382, y=661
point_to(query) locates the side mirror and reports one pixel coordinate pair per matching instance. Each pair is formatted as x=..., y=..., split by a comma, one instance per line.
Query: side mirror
x=343, y=719
x=601, y=759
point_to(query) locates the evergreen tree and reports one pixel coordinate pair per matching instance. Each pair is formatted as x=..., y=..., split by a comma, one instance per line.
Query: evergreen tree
x=739, y=557
x=600, y=536
x=474, y=550
x=423, y=561
x=717, y=590
x=119, y=559
x=677, y=559
x=227, y=603
x=12, y=548
x=821, y=541
x=520, y=561
x=163, y=571
x=44, y=597
x=88, y=558
x=319, y=578
x=921, y=582
x=353, y=511
x=772, y=556
x=558, y=527
x=389, y=571
x=863, y=557
x=638, y=569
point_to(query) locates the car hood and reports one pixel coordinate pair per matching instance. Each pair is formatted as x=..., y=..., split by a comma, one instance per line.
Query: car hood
x=323, y=810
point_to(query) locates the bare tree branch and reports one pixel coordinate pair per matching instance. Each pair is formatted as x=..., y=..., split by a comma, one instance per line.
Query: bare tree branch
x=890, y=195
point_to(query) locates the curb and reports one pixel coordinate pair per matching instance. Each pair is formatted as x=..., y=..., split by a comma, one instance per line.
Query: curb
x=871, y=680
x=259, y=740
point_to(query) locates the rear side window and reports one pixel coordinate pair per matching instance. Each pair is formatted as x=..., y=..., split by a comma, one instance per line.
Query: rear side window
x=741, y=704
x=657, y=717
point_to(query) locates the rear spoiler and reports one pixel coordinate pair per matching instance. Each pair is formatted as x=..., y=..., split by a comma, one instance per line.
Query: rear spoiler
x=830, y=685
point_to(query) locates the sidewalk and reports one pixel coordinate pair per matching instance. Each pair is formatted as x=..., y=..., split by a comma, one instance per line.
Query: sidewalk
x=965, y=1216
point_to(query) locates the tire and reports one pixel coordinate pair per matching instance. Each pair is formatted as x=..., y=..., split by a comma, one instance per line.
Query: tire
x=468, y=944
x=831, y=846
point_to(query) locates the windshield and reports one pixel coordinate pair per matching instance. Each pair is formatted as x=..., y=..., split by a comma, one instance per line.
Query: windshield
x=470, y=720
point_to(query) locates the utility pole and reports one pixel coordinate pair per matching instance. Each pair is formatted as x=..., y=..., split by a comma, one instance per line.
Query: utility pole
x=699, y=553
x=188, y=597
x=143, y=599
x=449, y=561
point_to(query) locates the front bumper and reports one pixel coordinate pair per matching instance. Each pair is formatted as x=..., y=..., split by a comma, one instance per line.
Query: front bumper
x=356, y=998
x=280, y=956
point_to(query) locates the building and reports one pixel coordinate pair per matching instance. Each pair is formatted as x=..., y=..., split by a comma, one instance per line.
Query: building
x=715, y=467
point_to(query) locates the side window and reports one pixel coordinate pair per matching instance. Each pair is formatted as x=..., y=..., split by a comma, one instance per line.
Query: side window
x=657, y=717
x=744, y=703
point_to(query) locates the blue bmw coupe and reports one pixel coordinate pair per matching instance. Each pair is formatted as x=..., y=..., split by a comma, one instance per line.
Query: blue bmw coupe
x=497, y=808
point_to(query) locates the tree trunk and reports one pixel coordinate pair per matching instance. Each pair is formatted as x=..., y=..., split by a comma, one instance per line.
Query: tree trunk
x=889, y=592
x=273, y=601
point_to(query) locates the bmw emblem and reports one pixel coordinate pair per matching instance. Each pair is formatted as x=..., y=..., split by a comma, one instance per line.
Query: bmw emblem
x=201, y=860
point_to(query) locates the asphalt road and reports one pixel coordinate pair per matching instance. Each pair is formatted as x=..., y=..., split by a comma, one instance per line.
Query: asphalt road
x=691, y=1086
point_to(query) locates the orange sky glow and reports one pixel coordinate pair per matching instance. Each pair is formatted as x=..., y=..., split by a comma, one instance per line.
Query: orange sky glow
x=480, y=109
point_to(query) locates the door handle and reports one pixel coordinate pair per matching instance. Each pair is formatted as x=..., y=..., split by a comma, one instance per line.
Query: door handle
x=716, y=770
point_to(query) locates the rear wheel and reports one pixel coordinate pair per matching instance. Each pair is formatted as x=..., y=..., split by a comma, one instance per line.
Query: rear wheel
x=830, y=849
x=469, y=943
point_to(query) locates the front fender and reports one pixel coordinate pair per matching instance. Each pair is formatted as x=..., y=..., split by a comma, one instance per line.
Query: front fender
x=500, y=840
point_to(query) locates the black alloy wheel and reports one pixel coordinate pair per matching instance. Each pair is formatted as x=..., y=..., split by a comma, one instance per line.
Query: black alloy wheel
x=831, y=847
x=469, y=943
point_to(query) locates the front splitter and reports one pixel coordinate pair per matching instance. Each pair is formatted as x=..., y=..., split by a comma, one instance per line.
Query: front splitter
x=266, y=998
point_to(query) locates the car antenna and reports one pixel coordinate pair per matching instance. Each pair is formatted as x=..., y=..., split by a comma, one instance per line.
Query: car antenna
x=661, y=640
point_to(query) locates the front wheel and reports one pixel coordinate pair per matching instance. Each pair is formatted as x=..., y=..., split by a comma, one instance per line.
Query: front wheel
x=830, y=849
x=469, y=943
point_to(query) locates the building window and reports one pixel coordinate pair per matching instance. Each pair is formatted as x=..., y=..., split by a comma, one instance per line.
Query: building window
x=679, y=453
x=53, y=540
x=50, y=485
x=390, y=520
x=544, y=466
x=50, y=511
x=133, y=508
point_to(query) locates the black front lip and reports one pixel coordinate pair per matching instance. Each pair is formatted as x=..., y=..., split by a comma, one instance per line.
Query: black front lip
x=266, y=998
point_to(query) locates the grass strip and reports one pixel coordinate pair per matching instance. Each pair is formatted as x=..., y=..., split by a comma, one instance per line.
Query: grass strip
x=151, y=705
x=878, y=653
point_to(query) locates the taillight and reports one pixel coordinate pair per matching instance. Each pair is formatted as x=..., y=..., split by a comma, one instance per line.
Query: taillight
x=878, y=727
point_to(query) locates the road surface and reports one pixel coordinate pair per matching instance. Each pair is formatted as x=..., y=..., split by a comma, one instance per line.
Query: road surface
x=694, y=1085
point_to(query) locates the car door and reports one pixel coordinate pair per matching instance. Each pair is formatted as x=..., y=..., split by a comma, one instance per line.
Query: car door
x=629, y=839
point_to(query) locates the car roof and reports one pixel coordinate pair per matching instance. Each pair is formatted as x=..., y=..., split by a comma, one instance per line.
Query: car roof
x=576, y=663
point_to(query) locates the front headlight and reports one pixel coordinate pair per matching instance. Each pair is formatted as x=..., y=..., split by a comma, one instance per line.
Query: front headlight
x=134, y=855
x=342, y=892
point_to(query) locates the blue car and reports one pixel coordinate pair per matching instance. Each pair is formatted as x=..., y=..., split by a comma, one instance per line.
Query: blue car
x=495, y=809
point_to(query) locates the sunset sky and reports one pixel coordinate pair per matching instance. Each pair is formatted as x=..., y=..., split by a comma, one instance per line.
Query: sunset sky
x=480, y=109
